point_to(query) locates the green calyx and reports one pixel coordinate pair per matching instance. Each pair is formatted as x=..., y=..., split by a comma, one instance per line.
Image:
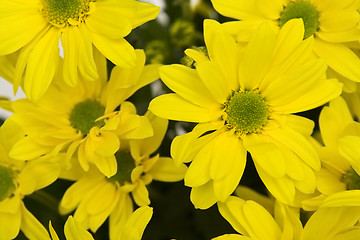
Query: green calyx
x=59, y=12
x=84, y=114
x=306, y=11
x=125, y=165
x=7, y=185
x=247, y=112
x=351, y=179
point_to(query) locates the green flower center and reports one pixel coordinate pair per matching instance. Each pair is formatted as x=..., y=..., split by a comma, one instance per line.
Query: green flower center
x=125, y=165
x=7, y=185
x=247, y=112
x=351, y=179
x=84, y=114
x=306, y=11
x=59, y=12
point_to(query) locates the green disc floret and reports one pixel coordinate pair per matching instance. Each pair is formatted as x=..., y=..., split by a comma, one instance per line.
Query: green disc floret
x=84, y=114
x=306, y=11
x=351, y=179
x=247, y=112
x=59, y=12
x=7, y=185
x=125, y=165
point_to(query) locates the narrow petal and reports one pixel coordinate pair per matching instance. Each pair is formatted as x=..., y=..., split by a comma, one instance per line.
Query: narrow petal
x=340, y=58
x=269, y=9
x=31, y=227
x=73, y=230
x=338, y=21
x=171, y=106
x=42, y=64
x=256, y=59
x=165, y=170
x=242, y=10
x=349, y=148
x=136, y=224
x=86, y=64
x=343, y=199
x=186, y=83
x=10, y=224
x=118, y=51
x=70, y=42
x=203, y=196
x=141, y=195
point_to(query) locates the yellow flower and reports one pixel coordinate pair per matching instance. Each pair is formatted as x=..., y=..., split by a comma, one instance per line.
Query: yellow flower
x=333, y=221
x=243, y=99
x=131, y=227
x=34, y=27
x=85, y=119
x=333, y=25
x=18, y=179
x=340, y=134
x=137, y=168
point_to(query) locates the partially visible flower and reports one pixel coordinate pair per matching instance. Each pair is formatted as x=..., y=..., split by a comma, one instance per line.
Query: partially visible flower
x=18, y=179
x=243, y=99
x=34, y=27
x=137, y=167
x=332, y=24
x=335, y=220
x=88, y=120
x=129, y=228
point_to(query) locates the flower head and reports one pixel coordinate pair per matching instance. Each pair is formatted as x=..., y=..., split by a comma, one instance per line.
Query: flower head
x=243, y=99
x=88, y=120
x=34, y=28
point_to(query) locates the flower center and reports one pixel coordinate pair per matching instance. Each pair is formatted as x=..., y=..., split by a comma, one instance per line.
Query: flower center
x=7, y=185
x=59, y=12
x=84, y=114
x=305, y=10
x=351, y=179
x=125, y=165
x=247, y=112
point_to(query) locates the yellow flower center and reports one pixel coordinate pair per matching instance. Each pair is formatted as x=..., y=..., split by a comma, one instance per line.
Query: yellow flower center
x=62, y=12
x=84, y=114
x=125, y=165
x=7, y=185
x=247, y=112
x=301, y=9
x=351, y=179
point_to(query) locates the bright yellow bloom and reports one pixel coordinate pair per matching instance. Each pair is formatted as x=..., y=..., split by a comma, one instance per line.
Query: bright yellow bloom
x=340, y=136
x=137, y=167
x=131, y=227
x=332, y=23
x=243, y=99
x=18, y=179
x=88, y=120
x=333, y=221
x=34, y=27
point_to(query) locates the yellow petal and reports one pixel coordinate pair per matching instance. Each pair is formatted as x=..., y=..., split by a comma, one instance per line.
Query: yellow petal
x=10, y=224
x=203, y=196
x=31, y=227
x=165, y=170
x=73, y=230
x=70, y=40
x=141, y=194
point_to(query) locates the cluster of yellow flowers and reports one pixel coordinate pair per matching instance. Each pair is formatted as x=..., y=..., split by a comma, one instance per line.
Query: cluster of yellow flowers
x=242, y=91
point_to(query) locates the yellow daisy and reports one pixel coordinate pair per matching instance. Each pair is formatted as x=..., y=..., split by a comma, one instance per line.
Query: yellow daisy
x=138, y=166
x=131, y=227
x=333, y=24
x=339, y=172
x=18, y=179
x=243, y=99
x=89, y=119
x=34, y=27
x=332, y=221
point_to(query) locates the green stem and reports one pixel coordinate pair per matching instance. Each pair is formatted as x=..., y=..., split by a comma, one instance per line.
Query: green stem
x=46, y=199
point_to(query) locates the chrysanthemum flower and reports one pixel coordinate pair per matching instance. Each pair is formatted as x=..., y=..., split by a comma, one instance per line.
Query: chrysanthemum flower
x=339, y=171
x=331, y=222
x=243, y=99
x=333, y=25
x=18, y=179
x=131, y=227
x=35, y=26
x=137, y=167
x=89, y=119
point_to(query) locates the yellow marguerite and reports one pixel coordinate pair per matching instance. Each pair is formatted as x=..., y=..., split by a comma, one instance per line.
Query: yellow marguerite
x=333, y=24
x=34, y=28
x=137, y=167
x=243, y=99
x=332, y=221
x=131, y=227
x=18, y=179
x=338, y=131
x=88, y=120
